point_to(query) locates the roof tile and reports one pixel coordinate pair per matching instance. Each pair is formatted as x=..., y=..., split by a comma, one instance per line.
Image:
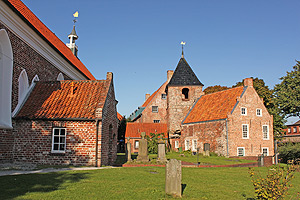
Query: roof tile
x=134, y=130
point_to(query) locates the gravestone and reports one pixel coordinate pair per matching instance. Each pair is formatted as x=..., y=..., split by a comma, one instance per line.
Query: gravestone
x=161, y=151
x=261, y=160
x=143, y=149
x=206, y=149
x=128, y=149
x=173, y=177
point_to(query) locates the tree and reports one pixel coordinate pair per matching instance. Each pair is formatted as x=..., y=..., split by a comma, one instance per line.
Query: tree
x=287, y=93
x=216, y=88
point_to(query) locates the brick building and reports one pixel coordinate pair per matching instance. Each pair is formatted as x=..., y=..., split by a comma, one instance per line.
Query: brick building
x=292, y=133
x=31, y=56
x=194, y=118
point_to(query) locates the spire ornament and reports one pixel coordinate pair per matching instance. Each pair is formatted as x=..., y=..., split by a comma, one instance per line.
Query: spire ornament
x=182, y=44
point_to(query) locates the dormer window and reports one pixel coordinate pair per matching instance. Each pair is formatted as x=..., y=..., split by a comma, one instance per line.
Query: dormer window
x=185, y=93
x=244, y=111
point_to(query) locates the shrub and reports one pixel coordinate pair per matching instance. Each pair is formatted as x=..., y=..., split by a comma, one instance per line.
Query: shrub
x=289, y=151
x=275, y=185
x=153, y=142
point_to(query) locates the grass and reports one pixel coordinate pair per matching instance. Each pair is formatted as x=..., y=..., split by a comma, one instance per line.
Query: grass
x=188, y=157
x=132, y=183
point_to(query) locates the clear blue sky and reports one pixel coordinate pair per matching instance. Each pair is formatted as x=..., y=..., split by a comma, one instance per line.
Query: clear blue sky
x=226, y=41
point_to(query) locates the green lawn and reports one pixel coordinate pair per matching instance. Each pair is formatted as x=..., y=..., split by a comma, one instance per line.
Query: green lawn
x=131, y=183
x=187, y=157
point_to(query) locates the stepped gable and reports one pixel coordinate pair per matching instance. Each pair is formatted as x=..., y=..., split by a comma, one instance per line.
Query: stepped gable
x=214, y=106
x=65, y=100
x=184, y=75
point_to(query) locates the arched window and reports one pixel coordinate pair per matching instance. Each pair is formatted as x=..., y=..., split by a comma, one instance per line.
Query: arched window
x=35, y=79
x=60, y=77
x=6, y=71
x=23, y=86
x=185, y=92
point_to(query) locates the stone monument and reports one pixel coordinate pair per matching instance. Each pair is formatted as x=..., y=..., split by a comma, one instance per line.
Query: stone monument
x=143, y=149
x=161, y=156
x=128, y=149
x=206, y=149
x=173, y=177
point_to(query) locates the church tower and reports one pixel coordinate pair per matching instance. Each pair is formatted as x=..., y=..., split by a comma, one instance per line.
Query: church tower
x=73, y=36
x=183, y=90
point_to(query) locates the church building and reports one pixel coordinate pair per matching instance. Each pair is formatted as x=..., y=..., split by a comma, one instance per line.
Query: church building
x=52, y=110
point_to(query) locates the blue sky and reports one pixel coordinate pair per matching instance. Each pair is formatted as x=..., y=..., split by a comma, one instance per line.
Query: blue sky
x=226, y=41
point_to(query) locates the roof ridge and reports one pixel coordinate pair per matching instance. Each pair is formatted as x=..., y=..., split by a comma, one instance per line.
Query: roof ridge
x=153, y=95
x=223, y=90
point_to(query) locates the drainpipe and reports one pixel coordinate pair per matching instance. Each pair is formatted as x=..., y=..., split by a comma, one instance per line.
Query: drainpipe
x=227, y=137
x=97, y=133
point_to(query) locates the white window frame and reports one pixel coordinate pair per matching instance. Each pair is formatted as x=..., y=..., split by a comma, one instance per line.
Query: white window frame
x=176, y=144
x=155, y=109
x=289, y=129
x=59, y=142
x=163, y=96
x=237, y=151
x=245, y=109
x=194, y=145
x=295, y=129
x=136, y=144
x=265, y=148
x=6, y=74
x=267, y=136
x=156, y=121
x=246, y=125
x=187, y=145
x=258, y=112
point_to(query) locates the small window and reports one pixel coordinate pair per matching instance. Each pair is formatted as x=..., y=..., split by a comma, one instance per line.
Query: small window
x=265, y=151
x=59, y=140
x=289, y=130
x=258, y=112
x=294, y=129
x=265, y=132
x=194, y=145
x=136, y=144
x=185, y=92
x=187, y=144
x=156, y=121
x=163, y=96
x=244, y=111
x=176, y=144
x=60, y=77
x=241, y=151
x=155, y=109
x=245, y=131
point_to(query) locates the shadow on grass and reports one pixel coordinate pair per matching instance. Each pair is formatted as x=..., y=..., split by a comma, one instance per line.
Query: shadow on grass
x=16, y=186
x=183, y=186
x=121, y=159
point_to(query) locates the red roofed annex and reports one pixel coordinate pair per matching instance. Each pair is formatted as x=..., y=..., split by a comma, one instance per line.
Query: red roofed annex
x=52, y=110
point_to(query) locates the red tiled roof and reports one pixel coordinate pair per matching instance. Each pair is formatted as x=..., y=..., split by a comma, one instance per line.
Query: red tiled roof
x=119, y=116
x=50, y=36
x=54, y=100
x=214, y=106
x=153, y=95
x=135, y=129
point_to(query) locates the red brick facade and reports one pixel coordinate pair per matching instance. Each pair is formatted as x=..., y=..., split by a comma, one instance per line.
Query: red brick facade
x=292, y=133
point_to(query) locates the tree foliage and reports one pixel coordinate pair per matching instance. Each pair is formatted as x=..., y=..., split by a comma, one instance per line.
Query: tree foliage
x=287, y=93
x=153, y=142
x=216, y=88
x=289, y=151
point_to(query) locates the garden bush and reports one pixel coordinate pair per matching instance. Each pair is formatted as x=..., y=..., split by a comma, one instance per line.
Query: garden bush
x=289, y=151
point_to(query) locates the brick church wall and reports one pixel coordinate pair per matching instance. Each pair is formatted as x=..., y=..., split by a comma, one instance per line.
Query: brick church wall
x=33, y=142
x=213, y=132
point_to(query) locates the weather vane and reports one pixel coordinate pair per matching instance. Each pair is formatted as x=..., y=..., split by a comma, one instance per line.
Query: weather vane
x=182, y=44
x=75, y=15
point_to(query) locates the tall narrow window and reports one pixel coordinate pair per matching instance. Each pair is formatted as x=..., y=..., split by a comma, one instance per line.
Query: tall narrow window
x=187, y=144
x=6, y=71
x=245, y=131
x=23, y=86
x=176, y=144
x=136, y=144
x=185, y=92
x=241, y=151
x=265, y=132
x=265, y=151
x=59, y=140
x=194, y=145
x=244, y=111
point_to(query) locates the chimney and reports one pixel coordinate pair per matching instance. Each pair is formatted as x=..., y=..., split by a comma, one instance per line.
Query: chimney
x=147, y=96
x=109, y=76
x=169, y=75
x=248, y=82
